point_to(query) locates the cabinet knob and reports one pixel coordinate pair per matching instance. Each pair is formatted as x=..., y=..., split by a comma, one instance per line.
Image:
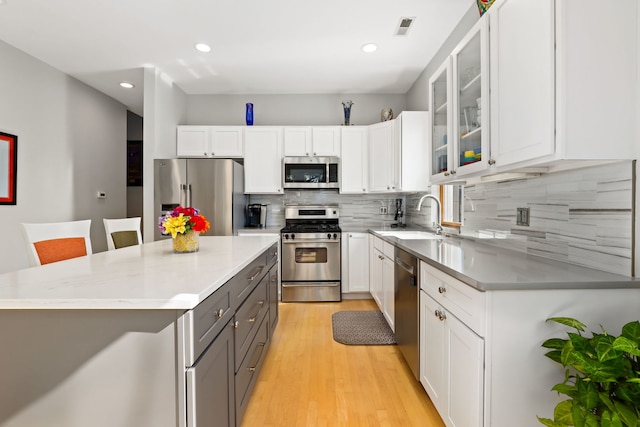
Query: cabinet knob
x=453, y=172
x=440, y=315
x=220, y=313
x=213, y=154
x=236, y=324
x=306, y=154
x=388, y=188
x=442, y=289
x=314, y=154
x=205, y=153
x=491, y=162
x=447, y=173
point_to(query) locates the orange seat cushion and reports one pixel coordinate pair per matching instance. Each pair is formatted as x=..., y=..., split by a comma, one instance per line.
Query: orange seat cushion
x=60, y=249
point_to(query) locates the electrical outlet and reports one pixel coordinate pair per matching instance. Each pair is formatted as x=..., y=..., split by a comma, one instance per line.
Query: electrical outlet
x=383, y=210
x=522, y=216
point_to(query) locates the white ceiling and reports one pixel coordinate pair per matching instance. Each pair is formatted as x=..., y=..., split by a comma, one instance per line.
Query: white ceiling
x=258, y=47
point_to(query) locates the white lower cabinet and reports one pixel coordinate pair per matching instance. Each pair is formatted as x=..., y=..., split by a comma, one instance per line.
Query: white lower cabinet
x=382, y=277
x=451, y=354
x=355, y=262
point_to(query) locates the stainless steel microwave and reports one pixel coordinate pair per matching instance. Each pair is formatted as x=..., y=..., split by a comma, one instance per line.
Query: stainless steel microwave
x=311, y=172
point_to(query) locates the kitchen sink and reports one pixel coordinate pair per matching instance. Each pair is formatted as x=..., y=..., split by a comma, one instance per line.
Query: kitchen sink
x=410, y=235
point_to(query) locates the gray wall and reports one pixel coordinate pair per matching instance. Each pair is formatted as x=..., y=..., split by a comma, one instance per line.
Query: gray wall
x=307, y=110
x=71, y=144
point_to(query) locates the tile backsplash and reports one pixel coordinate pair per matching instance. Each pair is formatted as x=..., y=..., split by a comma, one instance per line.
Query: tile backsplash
x=582, y=216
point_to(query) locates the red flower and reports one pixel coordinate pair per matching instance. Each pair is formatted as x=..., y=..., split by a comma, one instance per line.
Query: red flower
x=199, y=223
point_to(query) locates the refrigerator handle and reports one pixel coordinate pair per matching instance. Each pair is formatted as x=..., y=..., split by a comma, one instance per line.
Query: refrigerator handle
x=190, y=194
x=184, y=199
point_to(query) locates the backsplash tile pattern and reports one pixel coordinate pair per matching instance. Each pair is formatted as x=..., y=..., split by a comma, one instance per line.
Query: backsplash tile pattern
x=583, y=216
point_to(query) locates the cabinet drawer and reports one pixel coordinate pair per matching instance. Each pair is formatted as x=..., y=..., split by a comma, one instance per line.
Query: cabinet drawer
x=389, y=250
x=249, y=370
x=378, y=243
x=248, y=317
x=204, y=322
x=244, y=282
x=460, y=299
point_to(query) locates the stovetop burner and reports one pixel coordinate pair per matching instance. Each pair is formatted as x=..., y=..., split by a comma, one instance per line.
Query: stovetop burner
x=310, y=228
x=311, y=219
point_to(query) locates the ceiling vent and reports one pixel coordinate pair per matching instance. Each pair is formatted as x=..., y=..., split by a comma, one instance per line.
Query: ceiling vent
x=404, y=25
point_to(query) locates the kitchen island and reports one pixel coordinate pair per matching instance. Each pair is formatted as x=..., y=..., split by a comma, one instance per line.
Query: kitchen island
x=113, y=339
x=483, y=312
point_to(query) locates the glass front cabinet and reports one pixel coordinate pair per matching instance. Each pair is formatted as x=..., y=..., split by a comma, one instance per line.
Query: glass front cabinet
x=459, y=94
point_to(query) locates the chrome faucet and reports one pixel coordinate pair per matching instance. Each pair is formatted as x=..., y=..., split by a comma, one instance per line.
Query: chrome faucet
x=438, y=206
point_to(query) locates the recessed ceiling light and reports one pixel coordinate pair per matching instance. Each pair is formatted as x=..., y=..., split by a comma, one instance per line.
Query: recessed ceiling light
x=203, y=47
x=369, y=47
x=126, y=85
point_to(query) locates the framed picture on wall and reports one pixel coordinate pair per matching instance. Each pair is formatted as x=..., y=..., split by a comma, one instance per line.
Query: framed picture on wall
x=8, y=168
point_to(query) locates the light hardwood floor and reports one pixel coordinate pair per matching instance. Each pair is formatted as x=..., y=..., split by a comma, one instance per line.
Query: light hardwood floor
x=310, y=380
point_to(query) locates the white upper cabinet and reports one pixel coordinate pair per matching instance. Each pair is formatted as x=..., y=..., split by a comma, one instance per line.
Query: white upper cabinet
x=312, y=141
x=263, y=160
x=354, y=160
x=383, y=157
x=458, y=90
x=559, y=89
x=210, y=141
x=411, y=142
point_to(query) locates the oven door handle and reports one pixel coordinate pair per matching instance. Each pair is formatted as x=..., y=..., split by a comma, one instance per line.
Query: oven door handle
x=288, y=242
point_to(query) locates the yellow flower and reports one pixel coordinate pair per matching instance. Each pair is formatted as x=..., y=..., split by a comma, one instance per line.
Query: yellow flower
x=175, y=225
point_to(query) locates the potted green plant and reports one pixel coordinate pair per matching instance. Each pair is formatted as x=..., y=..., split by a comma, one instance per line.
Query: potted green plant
x=602, y=379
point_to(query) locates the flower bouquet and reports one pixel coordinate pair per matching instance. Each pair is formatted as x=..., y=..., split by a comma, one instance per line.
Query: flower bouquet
x=185, y=226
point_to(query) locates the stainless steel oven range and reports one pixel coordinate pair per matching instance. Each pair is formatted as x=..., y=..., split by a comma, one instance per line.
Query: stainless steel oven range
x=311, y=261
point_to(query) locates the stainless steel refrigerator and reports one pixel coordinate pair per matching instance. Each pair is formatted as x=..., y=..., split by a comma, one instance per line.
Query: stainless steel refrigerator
x=215, y=186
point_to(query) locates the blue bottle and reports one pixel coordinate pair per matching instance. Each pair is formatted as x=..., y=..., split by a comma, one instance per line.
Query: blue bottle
x=249, y=114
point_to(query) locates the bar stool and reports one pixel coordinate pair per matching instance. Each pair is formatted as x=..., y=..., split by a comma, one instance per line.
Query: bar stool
x=122, y=232
x=57, y=241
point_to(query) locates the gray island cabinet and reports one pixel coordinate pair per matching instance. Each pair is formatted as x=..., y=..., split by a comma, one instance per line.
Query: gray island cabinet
x=138, y=336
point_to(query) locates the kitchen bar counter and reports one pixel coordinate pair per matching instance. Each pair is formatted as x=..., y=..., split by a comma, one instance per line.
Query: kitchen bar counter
x=488, y=267
x=148, y=276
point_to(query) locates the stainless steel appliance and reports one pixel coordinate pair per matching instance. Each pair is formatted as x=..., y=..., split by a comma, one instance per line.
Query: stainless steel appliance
x=407, y=308
x=311, y=260
x=215, y=186
x=311, y=172
x=256, y=216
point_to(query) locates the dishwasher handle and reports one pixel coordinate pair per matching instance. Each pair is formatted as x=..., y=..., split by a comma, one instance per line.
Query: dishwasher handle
x=404, y=265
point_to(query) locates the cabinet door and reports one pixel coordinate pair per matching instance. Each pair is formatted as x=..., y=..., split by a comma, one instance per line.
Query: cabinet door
x=432, y=351
x=381, y=157
x=522, y=80
x=211, y=384
x=263, y=160
x=193, y=141
x=470, y=61
x=441, y=109
x=326, y=141
x=388, y=290
x=411, y=131
x=358, y=262
x=226, y=141
x=376, y=277
x=297, y=141
x=354, y=161
x=465, y=372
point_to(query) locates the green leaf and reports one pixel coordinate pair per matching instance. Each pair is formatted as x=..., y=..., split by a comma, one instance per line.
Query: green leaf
x=567, y=321
x=591, y=420
x=609, y=419
x=562, y=412
x=555, y=355
x=578, y=413
x=632, y=331
x=569, y=390
x=627, y=414
x=556, y=343
x=627, y=345
x=567, y=356
x=604, y=398
x=605, y=350
x=587, y=394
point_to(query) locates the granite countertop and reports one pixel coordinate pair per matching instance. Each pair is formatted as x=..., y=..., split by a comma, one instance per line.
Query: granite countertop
x=148, y=276
x=491, y=268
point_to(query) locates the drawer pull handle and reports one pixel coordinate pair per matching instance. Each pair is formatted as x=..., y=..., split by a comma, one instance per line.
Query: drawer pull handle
x=220, y=313
x=236, y=324
x=256, y=359
x=254, y=317
x=442, y=289
x=252, y=278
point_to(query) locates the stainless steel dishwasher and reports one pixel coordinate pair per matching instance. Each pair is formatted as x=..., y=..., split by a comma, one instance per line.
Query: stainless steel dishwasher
x=407, y=309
